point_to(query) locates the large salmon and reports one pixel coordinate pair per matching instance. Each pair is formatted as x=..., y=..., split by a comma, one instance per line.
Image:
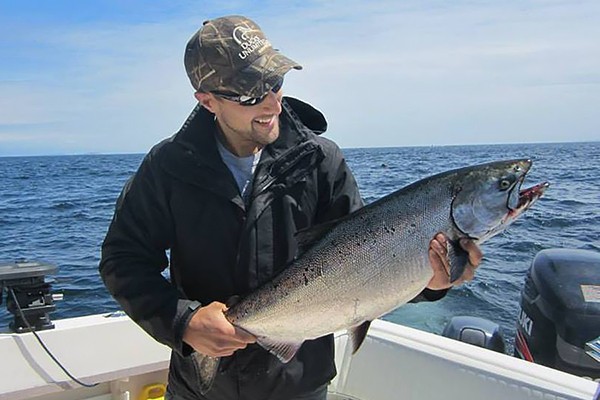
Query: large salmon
x=353, y=270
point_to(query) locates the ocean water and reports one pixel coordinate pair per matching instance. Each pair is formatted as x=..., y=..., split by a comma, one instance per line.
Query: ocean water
x=57, y=209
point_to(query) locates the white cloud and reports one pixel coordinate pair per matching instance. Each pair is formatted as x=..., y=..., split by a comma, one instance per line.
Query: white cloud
x=467, y=74
x=386, y=73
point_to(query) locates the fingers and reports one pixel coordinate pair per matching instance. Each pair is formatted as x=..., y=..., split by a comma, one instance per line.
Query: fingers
x=438, y=258
x=475, y=254
x=439, y=246
x=441, y=278
x=210, y=333
x=468, y=274
x=475, y=257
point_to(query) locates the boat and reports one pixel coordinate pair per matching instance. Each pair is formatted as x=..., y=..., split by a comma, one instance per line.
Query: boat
x=394, y=362
x=108, y=357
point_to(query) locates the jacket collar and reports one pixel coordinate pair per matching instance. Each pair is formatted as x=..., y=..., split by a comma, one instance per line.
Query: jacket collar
x=192, y=154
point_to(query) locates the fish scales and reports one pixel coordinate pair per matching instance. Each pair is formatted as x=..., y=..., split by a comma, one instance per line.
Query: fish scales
x=376, y=259
x=341, y=275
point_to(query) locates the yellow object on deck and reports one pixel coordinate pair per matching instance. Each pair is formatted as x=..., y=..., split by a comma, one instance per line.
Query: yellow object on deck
x=154, y=391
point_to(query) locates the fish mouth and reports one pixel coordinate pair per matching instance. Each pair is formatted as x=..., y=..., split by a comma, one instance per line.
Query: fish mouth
x=527, y=197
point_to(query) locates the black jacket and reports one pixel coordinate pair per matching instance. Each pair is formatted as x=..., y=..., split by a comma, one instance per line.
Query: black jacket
x=184, y=199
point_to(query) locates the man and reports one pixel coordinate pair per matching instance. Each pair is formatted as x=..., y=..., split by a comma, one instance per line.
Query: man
x=226, y=195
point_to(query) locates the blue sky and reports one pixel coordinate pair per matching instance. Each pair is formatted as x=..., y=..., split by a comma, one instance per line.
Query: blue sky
x=107, y=76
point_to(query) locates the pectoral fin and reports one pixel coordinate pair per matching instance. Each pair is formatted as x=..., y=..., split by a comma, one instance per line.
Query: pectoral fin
x=358, y=334
x=284, y=351
x=457, y=259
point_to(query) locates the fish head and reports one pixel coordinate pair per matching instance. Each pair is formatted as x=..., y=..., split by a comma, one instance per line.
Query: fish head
x=489, y=197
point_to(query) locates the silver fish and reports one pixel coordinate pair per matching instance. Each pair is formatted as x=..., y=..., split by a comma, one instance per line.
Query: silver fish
x=353, y=270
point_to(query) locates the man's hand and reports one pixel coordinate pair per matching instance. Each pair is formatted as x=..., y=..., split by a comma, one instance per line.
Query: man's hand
x=438, y=258
x=210, y=333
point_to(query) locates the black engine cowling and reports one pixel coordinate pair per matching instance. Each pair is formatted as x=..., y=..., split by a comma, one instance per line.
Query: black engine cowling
x=560, y=311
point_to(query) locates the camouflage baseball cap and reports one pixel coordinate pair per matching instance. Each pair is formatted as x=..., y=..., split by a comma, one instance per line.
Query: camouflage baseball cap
x=232, y=54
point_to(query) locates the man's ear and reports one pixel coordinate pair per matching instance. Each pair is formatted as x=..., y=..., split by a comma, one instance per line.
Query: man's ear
x=206, y=100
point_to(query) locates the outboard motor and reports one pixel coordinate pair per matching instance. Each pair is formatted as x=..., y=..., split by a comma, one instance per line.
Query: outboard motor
x=559, y=320
x=477, y=331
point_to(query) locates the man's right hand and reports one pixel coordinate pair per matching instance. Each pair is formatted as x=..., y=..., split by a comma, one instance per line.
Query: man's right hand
x=210, y=333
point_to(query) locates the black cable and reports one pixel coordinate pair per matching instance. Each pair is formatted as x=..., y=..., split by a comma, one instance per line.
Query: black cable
x=10, y=289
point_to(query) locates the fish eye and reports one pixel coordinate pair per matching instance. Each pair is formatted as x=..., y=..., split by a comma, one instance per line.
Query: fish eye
x=505, y=183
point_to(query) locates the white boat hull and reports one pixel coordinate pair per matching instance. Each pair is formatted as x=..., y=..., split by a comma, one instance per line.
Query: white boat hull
x=394, y=362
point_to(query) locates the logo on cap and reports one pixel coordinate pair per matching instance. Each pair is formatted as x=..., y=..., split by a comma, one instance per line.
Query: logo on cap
x=247, y=41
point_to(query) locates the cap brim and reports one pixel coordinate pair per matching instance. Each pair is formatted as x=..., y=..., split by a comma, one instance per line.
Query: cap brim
x=264, y=73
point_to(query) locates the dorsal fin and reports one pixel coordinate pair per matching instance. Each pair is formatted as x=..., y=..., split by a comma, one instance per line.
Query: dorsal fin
x=307, y=237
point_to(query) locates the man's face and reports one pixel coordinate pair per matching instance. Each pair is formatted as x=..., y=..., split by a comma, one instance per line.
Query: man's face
x=247, y=129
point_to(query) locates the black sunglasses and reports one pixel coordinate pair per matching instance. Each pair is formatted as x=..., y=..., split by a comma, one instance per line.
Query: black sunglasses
x=243, y=100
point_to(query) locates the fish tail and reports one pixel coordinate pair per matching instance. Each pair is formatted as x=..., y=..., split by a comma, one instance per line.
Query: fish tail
x=207, y=368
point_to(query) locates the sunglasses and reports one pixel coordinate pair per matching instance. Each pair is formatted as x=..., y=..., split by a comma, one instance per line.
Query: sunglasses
x=243, y=100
